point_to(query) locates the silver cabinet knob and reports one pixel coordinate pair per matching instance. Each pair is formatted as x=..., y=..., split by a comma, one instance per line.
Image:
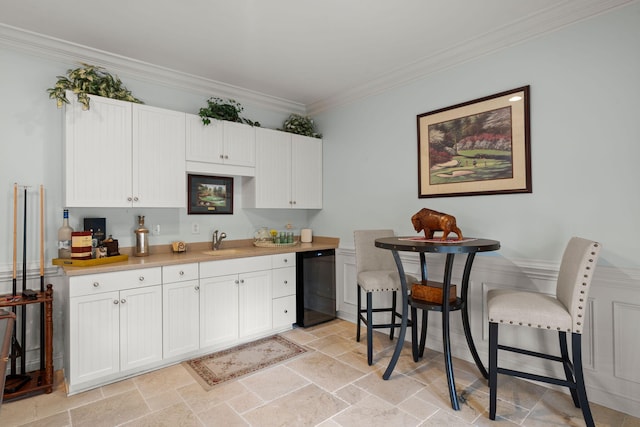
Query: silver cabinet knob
x=141, y=278
x=129, y=199
x=286, y=261
x=285, y=282
x=115, y=301
x=197, y=288
x=96, y=284
x=135, y=199
x=237, y=282
x=286, y=311
x=123, y=300
x=181, y=273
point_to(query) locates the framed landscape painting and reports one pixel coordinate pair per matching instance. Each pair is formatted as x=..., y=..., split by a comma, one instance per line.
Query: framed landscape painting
x=210, y=195
x=477, y=147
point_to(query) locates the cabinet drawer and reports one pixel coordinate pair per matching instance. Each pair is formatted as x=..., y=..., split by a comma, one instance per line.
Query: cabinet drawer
x=284, y=311
x=118, y=280
x=284, y=282
x=283, y=260
x=179, y=273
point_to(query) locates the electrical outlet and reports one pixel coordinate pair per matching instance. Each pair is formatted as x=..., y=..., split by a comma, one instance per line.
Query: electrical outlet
x=156, y=230
x=195, y=228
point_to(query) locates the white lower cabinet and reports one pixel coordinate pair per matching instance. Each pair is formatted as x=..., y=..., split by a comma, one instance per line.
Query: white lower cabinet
x=234, y=306
x=123, y=323
x=114, y=325
x=180, y=310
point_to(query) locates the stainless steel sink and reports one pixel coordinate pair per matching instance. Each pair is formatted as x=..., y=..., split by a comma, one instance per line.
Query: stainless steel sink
x=221, y=252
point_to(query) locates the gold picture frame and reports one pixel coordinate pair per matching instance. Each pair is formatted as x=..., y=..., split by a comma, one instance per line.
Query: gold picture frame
x=476, y=148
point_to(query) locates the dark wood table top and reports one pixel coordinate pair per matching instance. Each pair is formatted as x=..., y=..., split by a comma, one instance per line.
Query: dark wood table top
x=412, y=244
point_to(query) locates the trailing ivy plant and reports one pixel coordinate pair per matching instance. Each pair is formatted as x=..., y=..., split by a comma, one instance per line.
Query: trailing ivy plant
x=89, y=80
x=220, y=109
x=301, y=125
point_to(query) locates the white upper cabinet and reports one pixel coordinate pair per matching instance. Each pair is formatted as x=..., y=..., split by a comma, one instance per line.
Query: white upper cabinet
x=120, y=154
x=158, y=157
x=288, y=172
x=220, y=147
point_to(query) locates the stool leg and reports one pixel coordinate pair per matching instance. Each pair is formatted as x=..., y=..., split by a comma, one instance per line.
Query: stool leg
x=566, y=364
x=493, y=369
x=359, y=314
x=393, y=313
x=576, y=348
x=423, y=331
x=369, y=329
x=414, y=334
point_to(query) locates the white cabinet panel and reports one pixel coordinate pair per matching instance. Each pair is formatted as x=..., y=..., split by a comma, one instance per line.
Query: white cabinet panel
x=97, y=153
x=218, y=310
x=255, y=303
x=288, y=172
x=220, y=147
x=140, y=327
x=158, y=157
x=119, y=154
x=284, y=311
x=94, y=337
x=180, y=318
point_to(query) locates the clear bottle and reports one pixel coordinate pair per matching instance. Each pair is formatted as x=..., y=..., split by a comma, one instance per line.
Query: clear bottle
x=142, y=238
x=64, y=237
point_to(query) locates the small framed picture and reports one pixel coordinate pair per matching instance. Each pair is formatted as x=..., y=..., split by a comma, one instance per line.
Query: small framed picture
x=210, y=195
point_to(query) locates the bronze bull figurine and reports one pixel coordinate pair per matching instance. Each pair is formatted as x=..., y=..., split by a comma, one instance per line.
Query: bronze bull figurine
x=430, y=221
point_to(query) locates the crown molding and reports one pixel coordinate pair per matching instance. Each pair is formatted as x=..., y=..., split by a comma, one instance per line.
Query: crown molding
x=61, y=50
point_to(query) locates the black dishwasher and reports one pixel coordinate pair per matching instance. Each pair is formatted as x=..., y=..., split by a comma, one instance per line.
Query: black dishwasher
x=315, y=286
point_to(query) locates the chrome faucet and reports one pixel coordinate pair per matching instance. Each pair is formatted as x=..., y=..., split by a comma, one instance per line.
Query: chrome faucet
x=217, y=240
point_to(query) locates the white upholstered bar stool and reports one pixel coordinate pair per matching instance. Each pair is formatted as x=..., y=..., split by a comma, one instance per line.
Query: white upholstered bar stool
x=562, y=313
x=377, y=272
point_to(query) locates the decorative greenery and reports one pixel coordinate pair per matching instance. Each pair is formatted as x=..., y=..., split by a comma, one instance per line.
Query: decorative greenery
x=89, y=80
x=301, y=125
x=220, y=109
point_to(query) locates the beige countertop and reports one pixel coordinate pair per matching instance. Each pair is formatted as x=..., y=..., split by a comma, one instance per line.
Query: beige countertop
x=162, y=255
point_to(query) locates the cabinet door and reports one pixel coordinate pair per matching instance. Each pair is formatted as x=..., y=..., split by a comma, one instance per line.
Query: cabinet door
x=284, y=282
x=158, y=157
x=255, y=303
x=273, y=169
x=140, y=326
x=218, y=310
x=180, y=318
x=306, y=172
x=98, y=153
x=204, y=142
x=94, y=336
x=239, y=144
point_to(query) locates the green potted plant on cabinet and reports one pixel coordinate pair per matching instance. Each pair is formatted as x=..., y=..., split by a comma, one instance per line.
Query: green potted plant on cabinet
x=89, y=80
x=228, y=110
x=301, y=125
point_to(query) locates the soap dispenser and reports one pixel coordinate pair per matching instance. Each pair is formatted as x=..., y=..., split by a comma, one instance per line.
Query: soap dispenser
x=142, y=238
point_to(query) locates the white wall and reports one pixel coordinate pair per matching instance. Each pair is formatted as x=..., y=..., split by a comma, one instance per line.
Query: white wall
x=585, y=144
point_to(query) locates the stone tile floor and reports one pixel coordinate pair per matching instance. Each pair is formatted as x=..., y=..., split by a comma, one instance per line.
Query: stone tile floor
x=329, y=386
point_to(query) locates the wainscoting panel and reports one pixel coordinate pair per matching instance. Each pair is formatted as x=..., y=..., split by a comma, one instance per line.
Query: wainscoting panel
x=610, y=340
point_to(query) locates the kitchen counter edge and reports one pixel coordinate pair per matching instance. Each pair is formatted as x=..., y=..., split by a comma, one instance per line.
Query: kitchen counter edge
x=161, y=255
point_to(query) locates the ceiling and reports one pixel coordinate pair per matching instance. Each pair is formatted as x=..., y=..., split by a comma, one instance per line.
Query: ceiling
x=310, y=53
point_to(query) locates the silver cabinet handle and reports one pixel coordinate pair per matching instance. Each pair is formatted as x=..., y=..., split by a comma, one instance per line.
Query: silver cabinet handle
x=96, y=284
x=237, y=281
x=123, y=300
x=286, y=261
x=242, y=281
x=181, y=273
x=135, y=199
x=286, y=311
x=197, y=288
x=129, y=199
x=141, y=278
x=285, y=282
x=115, y=301
x=221, y=156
